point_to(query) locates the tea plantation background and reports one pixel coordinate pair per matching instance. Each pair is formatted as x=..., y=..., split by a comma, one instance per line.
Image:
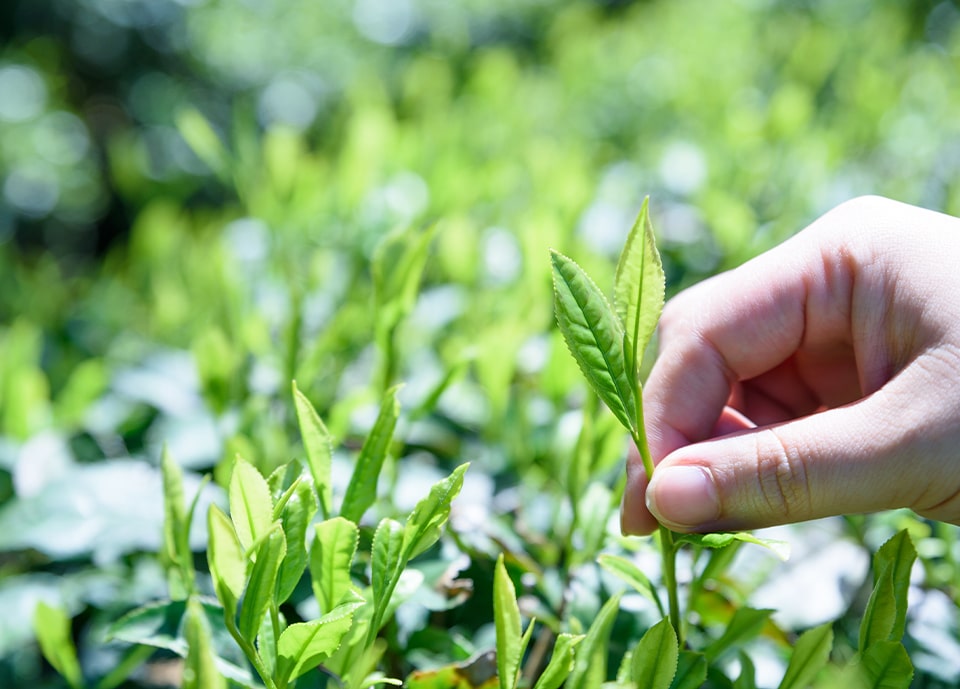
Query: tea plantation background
x=203, y=200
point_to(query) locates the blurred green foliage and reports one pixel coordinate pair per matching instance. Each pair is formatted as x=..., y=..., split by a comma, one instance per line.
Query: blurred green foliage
x=202, y=200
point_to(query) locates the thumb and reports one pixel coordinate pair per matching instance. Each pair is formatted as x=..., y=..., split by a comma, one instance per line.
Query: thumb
x=859, y=458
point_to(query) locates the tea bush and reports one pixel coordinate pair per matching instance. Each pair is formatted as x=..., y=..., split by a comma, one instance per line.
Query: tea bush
x=205, y=201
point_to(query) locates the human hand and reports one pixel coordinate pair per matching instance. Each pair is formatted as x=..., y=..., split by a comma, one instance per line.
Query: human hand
x=820, y=378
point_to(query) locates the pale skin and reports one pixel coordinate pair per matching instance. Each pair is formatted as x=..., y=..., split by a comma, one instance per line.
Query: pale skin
x=820, y=378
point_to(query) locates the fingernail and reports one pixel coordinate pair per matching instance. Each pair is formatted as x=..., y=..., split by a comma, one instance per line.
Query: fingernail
x=683, y=496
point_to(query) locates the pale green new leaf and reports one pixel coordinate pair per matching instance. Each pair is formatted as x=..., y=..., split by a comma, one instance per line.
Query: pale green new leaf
x=654, y=661
x=561, y=662
x=385, y=567
x=638, y=293
x=594, y=337
x=691, y=671
x=362, y=489
x=331, y=555
x=506, y=619
x=318, y=446
x=590, y=666
x=261, y=588
x=398, y=264
x=199, y=667
x=251, y=506
x=810, y=655
x=176, y=525
x=430, y=514
x=52, y=627
x=228, y=564
x=303, y=646
x=886, y=665
x=631, y=574
x=203, y=141
x=725, y=538
x=295, y=516
x=746, y=624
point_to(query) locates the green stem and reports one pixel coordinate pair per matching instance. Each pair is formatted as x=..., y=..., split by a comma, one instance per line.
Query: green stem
x=668, y=549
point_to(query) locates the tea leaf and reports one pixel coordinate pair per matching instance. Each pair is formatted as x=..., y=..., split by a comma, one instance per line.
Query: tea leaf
x=228, y=565
x=590, y=666
x=199, y=669
x=251, y=507
x=303, y=646
x=886, y=665
x=885, y=616
x=362, y=489
x=654, y=661
x=52, y=627
x=506, y=618
x=725, y=538
x=261, y=588
x=594, y=337
x=296, y=515
x=176, y=525
x=398, y=265
x=318, y=447
x=203, y=141
x=745, y=625
x=691, y=671
x=631, y=574
x=385, y=568
x=747, y=679
x=810, y=654
x=639, y=289
x=331, y=554
x=430, y=514
x=561, y=662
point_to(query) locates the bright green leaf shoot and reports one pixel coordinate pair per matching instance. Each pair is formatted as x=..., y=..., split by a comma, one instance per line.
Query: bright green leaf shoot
x=331, y=554
x=303, y=646
x=639, y=290
x=318, y=446
x=199, y=668
x=654, y=661
x=810, y=654
x=52, y=627
x=561, y=662
x=506, y=618
x=251, y=507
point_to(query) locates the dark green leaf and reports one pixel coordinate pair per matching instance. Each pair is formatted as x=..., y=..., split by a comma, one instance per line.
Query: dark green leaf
x=691, y=671
x=52, y=626
x=594, y=337
x=654, y=661
x=362, y=489
x=261, y=589
x=319, y=449
x=886, y=665
x=886, y=613
x=810, y=654
x=747, y=679
x=745, y=625
x=297, y=514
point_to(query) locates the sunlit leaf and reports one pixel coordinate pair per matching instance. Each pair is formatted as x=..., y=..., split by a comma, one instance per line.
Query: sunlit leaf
x=629, y=573
x=228, y=564
x=331, y=554
x=251, y=506
x=725, y=538
x=886, y=665
x=594, y=337
x=590, y=665
x=362, y=489
x=305, y=645
x=318, y=447
x=561, y=662
x=654, y=661
x=385, y=568
x=52, y=627
x=430, y=514
x=506, y=619
x=639, y=289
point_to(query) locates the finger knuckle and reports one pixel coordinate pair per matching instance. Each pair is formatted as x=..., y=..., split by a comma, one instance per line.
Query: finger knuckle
x=781, y=475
